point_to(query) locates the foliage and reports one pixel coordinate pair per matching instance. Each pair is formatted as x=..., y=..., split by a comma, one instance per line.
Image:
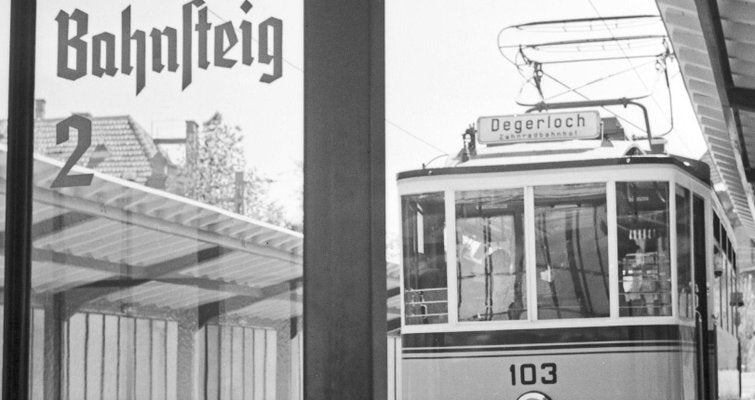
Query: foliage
x=213, y=158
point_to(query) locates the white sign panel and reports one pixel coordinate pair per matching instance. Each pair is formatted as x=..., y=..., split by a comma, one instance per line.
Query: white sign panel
x=538, y=127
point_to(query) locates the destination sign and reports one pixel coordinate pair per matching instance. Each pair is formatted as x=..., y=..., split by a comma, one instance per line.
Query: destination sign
x=540, y=127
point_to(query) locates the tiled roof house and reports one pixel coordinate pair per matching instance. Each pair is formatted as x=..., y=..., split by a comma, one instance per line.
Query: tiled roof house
x=120, y=148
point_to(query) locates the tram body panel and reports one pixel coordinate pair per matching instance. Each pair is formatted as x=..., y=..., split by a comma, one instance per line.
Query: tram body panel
x=625, y=362
x=728, y=374
x=656, y=373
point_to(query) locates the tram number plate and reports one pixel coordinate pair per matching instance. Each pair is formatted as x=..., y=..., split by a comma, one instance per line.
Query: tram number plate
x=528, y=374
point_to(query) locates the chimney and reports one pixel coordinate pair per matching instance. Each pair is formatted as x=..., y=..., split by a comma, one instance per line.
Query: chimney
x=192, y=142
x=39, y=108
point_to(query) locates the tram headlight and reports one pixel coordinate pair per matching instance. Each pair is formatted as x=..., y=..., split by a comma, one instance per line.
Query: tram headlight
x=534, y=396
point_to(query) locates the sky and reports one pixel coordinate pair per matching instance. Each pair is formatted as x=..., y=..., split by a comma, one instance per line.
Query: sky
x=443, y=71
x=446, y=71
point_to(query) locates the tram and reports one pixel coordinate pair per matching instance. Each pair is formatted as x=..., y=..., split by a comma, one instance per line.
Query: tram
x=554, y=265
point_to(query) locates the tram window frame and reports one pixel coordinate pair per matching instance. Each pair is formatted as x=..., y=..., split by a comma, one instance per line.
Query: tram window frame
x=686, y=196
x=582, y=295
x=661, y=258
x=732, y=289
x=416, y=299
x=725, y=294
x=518, y=308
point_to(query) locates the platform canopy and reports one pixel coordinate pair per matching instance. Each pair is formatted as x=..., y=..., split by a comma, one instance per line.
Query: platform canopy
x=714, y=41
x=119, y=242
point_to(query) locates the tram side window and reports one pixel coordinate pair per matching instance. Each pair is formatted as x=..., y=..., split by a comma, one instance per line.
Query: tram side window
x=725, y=296
x=425, y=280
x=571, y=251
x=643, y=246
x=490, y=255
x=718, y=266
x=732, y=310
x=684, y=252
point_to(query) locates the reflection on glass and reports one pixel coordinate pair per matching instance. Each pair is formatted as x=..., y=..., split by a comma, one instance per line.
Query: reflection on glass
x=684, y=252
x=166, y=264
x=643, y=243
x=490, y=255
x=725, y=296
x=718, y=268
x=425, y=279
x=4, y=64
x=732, y=310
x=572, y=251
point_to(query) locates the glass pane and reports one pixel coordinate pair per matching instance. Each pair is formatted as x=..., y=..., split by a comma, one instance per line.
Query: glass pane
x=572, y=251
x=684, y=252
x=492, y=281
x=718, y=268
x=643, y=244
x=732, y=310
x=167, y=209
x=4, y=64
x=425, y=279
x=725, y=314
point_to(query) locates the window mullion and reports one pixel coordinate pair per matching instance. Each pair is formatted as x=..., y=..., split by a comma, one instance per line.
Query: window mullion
x=613, y=251
x=530, y=260
x=451, y=264
x=673, y=249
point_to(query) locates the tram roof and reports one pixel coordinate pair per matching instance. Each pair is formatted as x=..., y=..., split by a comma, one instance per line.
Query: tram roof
x=548, y=152
x=559, y=155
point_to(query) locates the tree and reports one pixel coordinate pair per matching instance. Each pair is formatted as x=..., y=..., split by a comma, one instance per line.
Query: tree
x=214, y=156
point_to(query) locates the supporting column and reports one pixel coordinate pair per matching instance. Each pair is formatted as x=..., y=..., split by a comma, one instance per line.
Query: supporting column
x=344, y=200
x=18, y=206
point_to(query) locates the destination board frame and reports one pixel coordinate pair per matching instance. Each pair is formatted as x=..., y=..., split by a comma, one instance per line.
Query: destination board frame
x=538, y=127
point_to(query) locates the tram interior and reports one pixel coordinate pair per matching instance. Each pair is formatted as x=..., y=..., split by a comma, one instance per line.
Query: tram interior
x=644, y=267
x=571, y=254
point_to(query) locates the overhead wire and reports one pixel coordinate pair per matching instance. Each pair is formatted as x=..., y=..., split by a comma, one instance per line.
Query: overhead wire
x=633, y=68
x=594, y=81
x=518, y=67
x=393, y=124
x=587, y=98
x=623, y=52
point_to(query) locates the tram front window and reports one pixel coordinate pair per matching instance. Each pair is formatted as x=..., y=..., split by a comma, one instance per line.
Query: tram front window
x=572, y=251
x=490, y=255
x=425, y=279
x=643, y=245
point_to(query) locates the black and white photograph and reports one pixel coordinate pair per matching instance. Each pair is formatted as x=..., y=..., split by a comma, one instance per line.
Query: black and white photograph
x=377, y=199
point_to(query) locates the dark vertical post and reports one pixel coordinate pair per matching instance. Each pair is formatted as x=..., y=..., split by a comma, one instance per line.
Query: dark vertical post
x=344, y=200
x=705, y=388
x=18, y=207
x=54, y=316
